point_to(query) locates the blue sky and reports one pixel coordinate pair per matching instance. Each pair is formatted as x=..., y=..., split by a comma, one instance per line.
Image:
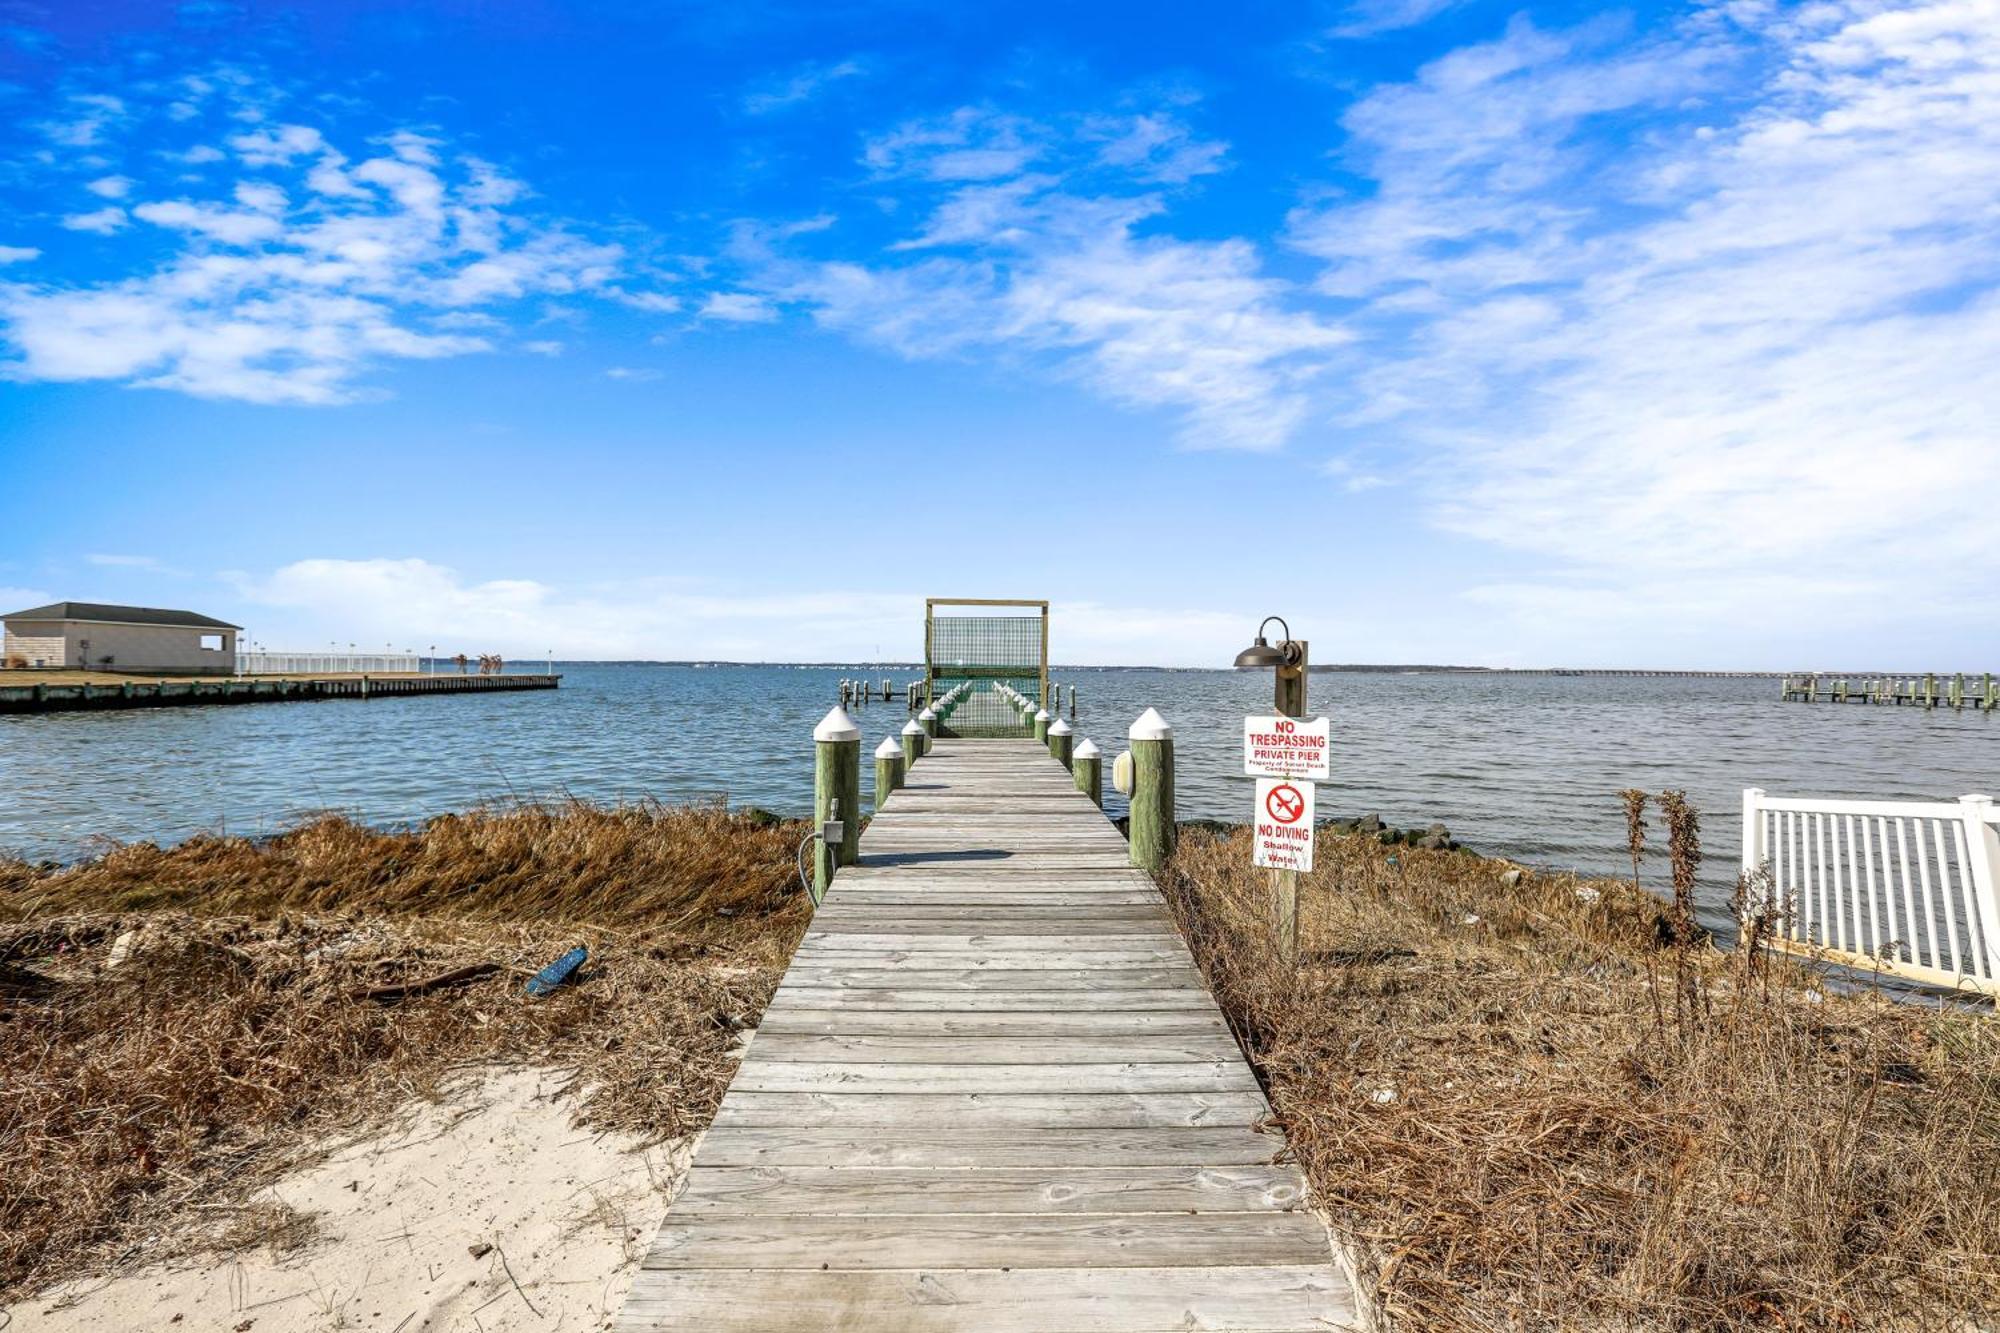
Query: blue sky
x=1453, y=332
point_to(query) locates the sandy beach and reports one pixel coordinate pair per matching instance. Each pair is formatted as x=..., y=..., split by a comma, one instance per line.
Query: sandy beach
x=489, y=1212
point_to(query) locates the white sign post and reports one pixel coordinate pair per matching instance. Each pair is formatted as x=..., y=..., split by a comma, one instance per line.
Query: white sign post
x=1282, y=830
x=1288, y=747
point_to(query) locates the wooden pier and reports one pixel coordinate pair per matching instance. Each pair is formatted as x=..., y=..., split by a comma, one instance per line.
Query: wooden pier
x=187, y=691
x=1930, y=690
x=992, y=1093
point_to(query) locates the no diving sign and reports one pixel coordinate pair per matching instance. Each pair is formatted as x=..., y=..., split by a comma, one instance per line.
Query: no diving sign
x=1282, y=827
x=1288, y=747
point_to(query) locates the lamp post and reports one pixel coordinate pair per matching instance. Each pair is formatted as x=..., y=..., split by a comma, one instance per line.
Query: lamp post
x=1287, y=659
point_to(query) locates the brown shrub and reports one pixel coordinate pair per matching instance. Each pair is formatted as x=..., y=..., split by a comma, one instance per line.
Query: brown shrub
x=1488, y=1093
x=236, y=1035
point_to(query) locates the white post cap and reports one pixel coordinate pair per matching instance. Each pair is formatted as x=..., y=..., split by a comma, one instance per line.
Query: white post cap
x=1041, y=715
x=837, y=726
x=889, y=749
x=913, y=729
x=1151, y=727
x=1059, y=728
x=927, y=715
x=1085, y=749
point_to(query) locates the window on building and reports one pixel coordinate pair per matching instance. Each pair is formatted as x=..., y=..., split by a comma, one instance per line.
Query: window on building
x=211, y=643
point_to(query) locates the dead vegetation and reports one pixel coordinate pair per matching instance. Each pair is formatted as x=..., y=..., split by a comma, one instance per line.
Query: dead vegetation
x=1539, y=1102
x=268, y=996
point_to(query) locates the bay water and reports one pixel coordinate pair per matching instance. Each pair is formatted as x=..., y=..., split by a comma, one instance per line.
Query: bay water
x=1523, y=766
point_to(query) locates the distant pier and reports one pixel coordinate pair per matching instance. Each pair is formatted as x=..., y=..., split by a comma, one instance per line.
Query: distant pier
x=1930, y=690
x=170, y=692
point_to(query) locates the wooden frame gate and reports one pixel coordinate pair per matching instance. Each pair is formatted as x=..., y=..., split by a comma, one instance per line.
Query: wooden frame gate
x=1004, y=641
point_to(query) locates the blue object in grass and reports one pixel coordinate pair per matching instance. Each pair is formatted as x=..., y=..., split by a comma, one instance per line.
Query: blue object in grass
x=556, y=973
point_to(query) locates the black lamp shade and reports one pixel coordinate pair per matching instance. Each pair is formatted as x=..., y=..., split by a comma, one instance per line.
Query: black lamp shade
x=1260, y=654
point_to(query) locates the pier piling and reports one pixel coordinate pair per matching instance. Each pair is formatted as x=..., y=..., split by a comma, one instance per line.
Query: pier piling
x=836, y=795
x=1151, y=832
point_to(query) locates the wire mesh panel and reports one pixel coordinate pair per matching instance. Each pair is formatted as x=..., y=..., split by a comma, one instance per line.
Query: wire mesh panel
x=990, y=644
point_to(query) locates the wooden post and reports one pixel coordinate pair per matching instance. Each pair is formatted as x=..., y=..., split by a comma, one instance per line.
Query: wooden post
x=1958, y=690
x=888, y=770
x=1042, y=725
x=1289, y=698
x=913, y=745
x=928, y=720
x=1060, y=740
x=1072, y=703
x=1087, y=764
x=836, y=795
x=1151, y=835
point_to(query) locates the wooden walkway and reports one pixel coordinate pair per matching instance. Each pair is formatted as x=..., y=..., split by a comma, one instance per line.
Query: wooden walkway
x=991, y=1093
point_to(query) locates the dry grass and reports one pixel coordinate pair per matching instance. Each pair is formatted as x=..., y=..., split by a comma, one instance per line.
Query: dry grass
x=142, y=1104
x=1486, y=1079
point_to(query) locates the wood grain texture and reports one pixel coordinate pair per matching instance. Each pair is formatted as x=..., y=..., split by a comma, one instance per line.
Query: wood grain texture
x=1042, y=1300
x=991, y=1092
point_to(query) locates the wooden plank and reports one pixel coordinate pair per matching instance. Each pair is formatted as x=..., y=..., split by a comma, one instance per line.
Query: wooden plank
x=896, y=976
x=861, y=1243
x=864, y=1191
x=1023, y=942
x=846, y=1077
x=942, y=1001
x=1145, y=1048
x=1092, y=1021
x=1111, y=1110
x=959, y=1147
x=1042, y=1300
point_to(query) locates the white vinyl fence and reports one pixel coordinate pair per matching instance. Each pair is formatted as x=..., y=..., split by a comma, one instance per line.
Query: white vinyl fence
x=326, y=664
x=1903, y=887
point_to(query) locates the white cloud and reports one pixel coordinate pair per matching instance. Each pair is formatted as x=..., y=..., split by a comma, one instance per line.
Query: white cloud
x=420, y=602
x=631, y=374
x=1147, y=321
x=272, y=302
x=798, y=87
x=659, y=303
x=86, y=116
x=1157, y=147
x=20, y=599
x=150, y=564
x=738, y=308
x=18, y=254
x=543, y=347
x=1368, y=18
x=230, y=226
x=110, y=187
x=278, y=146
x=103, y=221
x=1639, y=327
x=971, y=143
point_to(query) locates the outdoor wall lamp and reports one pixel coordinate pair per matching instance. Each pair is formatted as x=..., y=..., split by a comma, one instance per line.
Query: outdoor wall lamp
x=1262, y=654
x=1287, y=659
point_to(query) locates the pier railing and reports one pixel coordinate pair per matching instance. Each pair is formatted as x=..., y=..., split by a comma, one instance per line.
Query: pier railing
x=1907, y=888
x=328, y=664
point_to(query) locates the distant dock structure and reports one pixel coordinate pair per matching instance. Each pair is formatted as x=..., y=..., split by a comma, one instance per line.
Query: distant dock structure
x=71, y=657
x=1931, y=690
x=62, y=695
